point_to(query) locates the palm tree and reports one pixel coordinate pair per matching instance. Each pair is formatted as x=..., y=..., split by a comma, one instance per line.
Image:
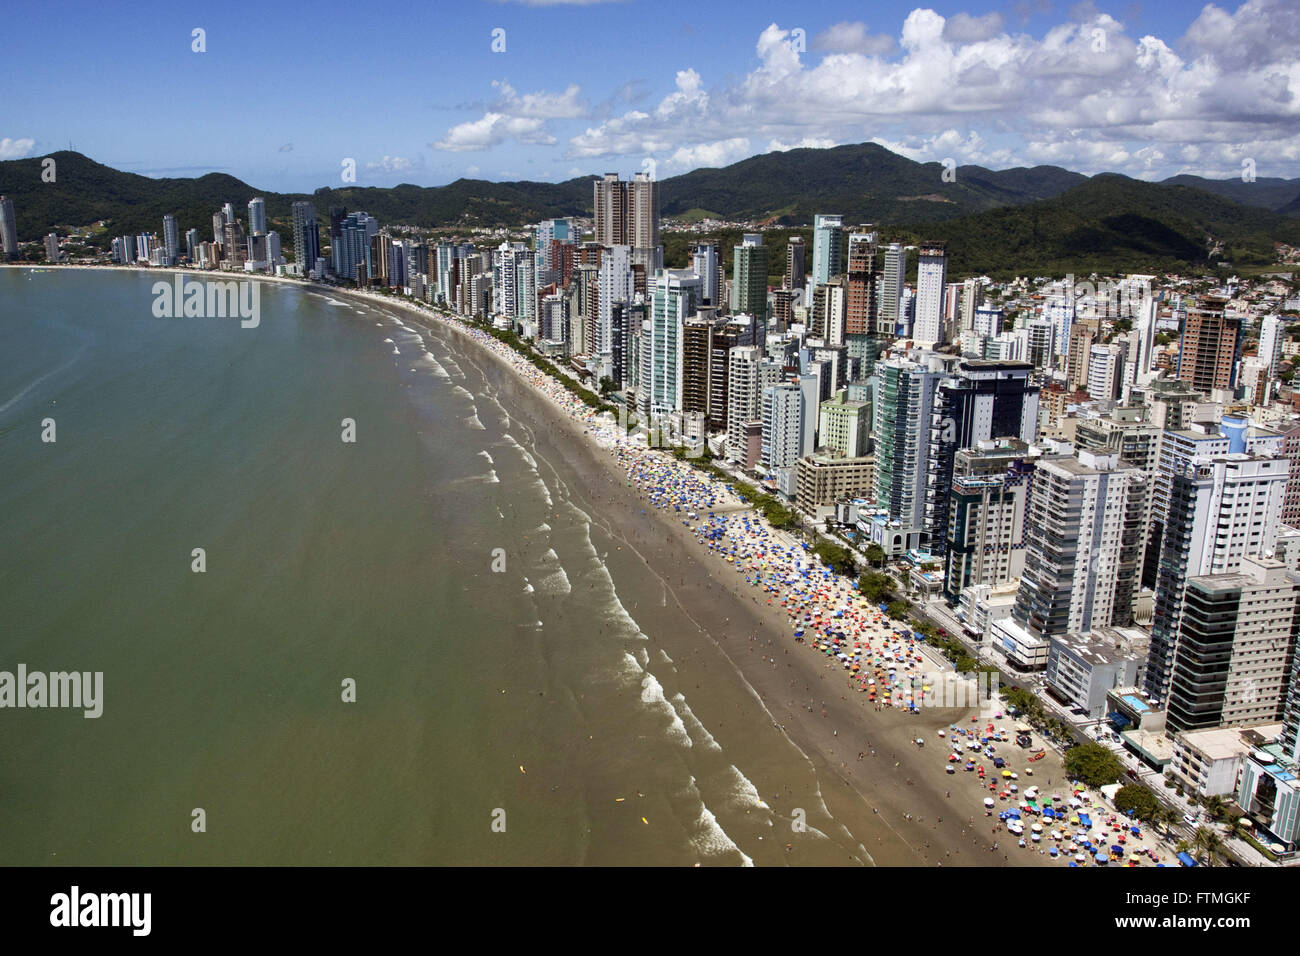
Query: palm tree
x=1216, y=807
x=1211, y=844
x=1165, y=817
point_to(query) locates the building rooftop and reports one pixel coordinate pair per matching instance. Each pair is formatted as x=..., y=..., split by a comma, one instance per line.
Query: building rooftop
x=1224, y=743
x=1106, y=645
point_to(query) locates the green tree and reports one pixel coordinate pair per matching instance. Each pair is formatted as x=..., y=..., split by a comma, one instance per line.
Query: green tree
x=898, y=609
x=1021, y=699
x=876, y=554
x=606, y=386
x=1216, y=806
x=1093, y=764
x=876, y=587
x=1139, y=799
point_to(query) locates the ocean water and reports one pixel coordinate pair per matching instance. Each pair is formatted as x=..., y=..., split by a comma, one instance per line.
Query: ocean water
x=500, y=715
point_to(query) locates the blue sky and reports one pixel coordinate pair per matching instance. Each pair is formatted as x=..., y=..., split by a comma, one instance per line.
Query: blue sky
x=415, y=93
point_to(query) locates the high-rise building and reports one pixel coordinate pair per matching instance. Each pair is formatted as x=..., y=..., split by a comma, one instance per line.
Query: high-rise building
x=749, y=277
x=828, y=241
x=8, y=228
x=981, y=400
x=844, y=426
x=1105, y=372
x=350, y=251
x=257, y=216
x=192, y=245
x=986, y=533
x=306, y=236
x=783, y=425
x=234, y=246
x=1272, y=331
x=794, y=263
x=52, y=247
x=931, y=279
x=564, y=231
x=861, y=282
x=704, y=259
x=902, y=411
x=674, y=296
x=1236, y=642
x=616, y=287
x=736, y=331
x=889, y=299
x=626, y=213
x=1210, y=346
x=171, y=240
x=1084, y=544
x=1219, y=507
x=749, y=375
x=1269, y=786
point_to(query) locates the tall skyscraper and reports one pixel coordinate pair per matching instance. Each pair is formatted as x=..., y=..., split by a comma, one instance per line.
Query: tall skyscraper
x=783, y=425
x=1236, y=643
x=171, y=240
x=985, y=538
x=795, y=263
x=931, y=280
x=1219, y=506
x=351, y=250
x=626, y=213
x=675, y=295
x=860, y=302
x=306, y=236
x=749, y=375
x=902, y=409
x=749, y=277
x=982, y=400
x=1210, y=347
x=704, y=260
x=233, y=246
x=256, y=216
x=616, y=288
x=8, y=228
x=889, y=298
x=192, y=245
x=1084, y=543
x=828, y=238
x=1272, y=330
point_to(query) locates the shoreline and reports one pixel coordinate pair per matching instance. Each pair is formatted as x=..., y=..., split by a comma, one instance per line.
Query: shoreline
x=890, y=801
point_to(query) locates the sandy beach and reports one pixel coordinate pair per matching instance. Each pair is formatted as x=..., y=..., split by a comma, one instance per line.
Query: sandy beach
x=892, y=796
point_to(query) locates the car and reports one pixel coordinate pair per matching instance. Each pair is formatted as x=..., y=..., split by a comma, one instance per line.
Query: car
x=1132, y=774
x=1189, y=819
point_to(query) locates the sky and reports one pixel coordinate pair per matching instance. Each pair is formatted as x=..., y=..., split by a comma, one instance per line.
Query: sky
x=282, y=95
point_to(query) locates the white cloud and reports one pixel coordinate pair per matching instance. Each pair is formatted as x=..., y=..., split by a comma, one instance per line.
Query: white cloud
x=808, y=142
x=720, y=153
x=492, y=130
x=512, y=116
x=1086, y=94
x=852, y=37
x=15, y=148
x=541, y=105
x=967, y=28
